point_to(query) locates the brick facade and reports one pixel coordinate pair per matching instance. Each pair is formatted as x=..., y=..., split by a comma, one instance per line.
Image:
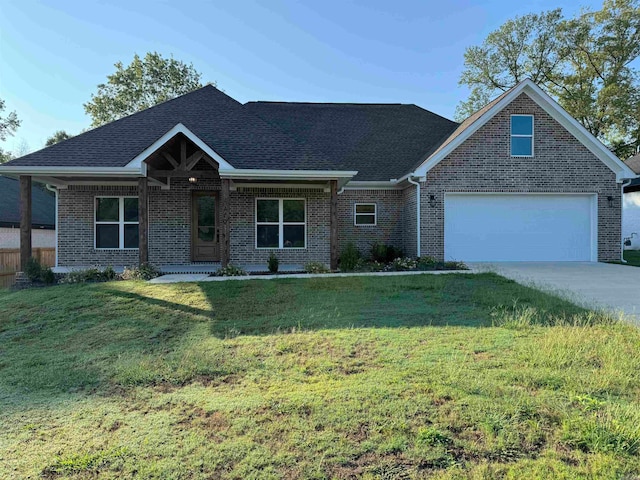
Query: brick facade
x=483, y=164
x=390, y=219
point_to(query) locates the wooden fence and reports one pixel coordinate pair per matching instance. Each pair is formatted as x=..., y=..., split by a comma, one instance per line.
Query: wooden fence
x=10, y=262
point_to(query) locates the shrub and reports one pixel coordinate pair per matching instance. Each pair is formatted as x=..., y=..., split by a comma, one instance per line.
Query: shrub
x=145, y=271
x=316, y=267
x=48, y=276
x=382, y=253
x=349, y=257
x=91, y=275
x=369, y=266
x=402, y=265
x=33, y=270
x=230, y=271
x=273, y=263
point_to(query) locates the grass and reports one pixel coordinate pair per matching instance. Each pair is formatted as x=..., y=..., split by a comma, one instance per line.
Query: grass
x=451, y=376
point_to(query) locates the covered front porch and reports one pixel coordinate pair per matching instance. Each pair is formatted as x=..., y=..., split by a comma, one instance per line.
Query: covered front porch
x=182, y=208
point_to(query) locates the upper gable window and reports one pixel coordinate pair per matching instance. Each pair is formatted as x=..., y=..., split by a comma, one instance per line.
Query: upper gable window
x=522, y=135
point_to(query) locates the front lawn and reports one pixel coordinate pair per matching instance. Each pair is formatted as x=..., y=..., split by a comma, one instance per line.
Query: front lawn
x=450, y=376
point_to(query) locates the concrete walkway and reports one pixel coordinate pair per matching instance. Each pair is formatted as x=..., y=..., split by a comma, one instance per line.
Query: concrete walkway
x=595, y=285
x=188, y=277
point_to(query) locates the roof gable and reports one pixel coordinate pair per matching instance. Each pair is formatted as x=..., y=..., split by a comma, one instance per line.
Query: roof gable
x=480, y=118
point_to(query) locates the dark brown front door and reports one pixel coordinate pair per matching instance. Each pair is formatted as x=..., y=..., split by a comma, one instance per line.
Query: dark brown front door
x=205, y=246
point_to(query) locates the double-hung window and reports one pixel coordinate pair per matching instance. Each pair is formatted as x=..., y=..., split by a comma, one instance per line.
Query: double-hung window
x=281, y=223
x=364, y=214
x=522, y=135
x=116, y=222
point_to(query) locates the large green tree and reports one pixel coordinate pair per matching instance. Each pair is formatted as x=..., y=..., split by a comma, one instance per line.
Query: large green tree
x=8, y=126
x=142, y=84
x=587, y=63
x=57, y=137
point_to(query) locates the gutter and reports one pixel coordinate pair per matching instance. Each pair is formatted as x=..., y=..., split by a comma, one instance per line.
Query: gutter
x=55, y=223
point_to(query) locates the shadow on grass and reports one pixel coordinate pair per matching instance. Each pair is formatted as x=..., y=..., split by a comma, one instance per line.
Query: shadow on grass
x=74, y=339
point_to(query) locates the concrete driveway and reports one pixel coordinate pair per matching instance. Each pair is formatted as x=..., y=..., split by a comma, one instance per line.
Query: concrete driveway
x=598, y=285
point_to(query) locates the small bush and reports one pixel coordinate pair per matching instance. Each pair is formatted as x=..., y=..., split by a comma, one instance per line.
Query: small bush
x=48, y=276
x=33, y=270
x=369, y=266
x=273, y=263
x=145, y=271
x=382, y=253
x=230, y=271
x=109, y=273
x=402, y=265
x=316, y=267
x=349, y=257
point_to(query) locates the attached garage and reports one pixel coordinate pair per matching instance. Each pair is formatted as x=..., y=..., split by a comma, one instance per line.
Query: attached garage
x=497, y=227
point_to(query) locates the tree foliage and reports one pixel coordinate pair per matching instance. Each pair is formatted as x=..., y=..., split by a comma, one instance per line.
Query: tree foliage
x=8, y=126
x=142, y=84
x=585, y=62
x=57, y=137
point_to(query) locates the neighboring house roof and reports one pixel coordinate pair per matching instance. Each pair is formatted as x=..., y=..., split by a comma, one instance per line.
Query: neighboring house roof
x=528, y=87
x=380, y=141
x=43, y=205
x=241, y=138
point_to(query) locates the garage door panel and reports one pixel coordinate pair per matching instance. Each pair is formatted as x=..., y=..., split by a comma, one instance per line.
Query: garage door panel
x=508, y=227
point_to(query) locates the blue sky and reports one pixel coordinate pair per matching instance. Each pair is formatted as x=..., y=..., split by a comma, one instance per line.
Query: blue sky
x=53, y=54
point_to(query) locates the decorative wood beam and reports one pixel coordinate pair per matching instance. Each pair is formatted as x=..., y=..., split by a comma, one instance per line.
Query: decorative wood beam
x=333, y=225
x=183, y=153
x=170, y=159
x=225, y=230
x=152, y=172
x=25, y=220
x=194, y=159
x=143, y=220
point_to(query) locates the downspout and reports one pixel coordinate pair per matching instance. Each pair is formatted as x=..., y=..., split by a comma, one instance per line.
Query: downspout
x=418, y=201
x=622, y=187
x=55, y=223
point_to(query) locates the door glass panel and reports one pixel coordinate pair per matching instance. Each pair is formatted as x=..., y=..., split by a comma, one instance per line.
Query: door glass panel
x=206, y=218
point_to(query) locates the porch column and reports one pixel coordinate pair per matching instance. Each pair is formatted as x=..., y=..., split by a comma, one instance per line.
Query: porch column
x=225, y=219
x=25, y=220
x=333, y=225
x=143, y=220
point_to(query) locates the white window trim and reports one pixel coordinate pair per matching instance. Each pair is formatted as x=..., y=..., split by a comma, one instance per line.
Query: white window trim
x=532, y=136
x=375, y=214
x=280, y=223
x=121, y=223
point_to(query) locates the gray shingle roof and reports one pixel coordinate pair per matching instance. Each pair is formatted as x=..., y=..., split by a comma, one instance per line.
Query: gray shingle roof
x=43, y=205
x=380, y=141
x=241, y=138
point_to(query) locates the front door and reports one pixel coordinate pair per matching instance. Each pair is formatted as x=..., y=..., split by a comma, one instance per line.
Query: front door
x=205, y=246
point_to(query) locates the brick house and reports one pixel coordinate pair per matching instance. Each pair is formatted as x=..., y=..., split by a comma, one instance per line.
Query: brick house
x=205, y=180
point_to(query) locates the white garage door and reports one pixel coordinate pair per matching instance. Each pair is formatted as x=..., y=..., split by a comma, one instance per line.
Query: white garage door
x=520, y=227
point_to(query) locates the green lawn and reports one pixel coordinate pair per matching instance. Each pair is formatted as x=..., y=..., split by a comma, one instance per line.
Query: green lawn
x=451, y=376
x=632, y=257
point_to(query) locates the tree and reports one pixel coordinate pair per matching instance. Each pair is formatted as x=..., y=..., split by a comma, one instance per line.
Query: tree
x=8, y=127
x=142, y=84
x=584, y=62
x=59, y=136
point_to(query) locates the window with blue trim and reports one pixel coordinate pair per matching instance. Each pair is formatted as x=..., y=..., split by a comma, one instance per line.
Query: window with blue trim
x=522, y=135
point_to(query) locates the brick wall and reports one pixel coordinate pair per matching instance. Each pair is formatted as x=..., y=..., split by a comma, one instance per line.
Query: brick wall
x=390, y=219
x=243, y=239
x=410, y=216
x=483, y=164
x=76, y=228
